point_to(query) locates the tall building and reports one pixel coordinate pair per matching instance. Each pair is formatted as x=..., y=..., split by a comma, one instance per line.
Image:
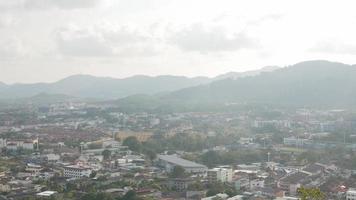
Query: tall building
x=219, y=175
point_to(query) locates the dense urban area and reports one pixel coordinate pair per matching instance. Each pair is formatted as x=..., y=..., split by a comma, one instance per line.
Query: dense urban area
x=80, y=150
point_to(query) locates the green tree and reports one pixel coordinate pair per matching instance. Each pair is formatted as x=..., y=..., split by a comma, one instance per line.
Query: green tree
x=93, y=174
x=96, y=196
x=311, y=194
x=132, y=143
x=151, y=154
x=211, y=158
x=106, y=154
x=130, y=195
x=177, y=172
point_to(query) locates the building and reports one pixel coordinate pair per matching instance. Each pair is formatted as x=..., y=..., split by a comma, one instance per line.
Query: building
x=2, y=143
x=5, y=187
x=291, y=182
x=314, y=169
x=220, y=175
x=46, y=194
x=15, y=145
x=298, y=142
x=76, y=171
x=351, y=194
x=179, y=184
x=170, y=161
x=257, y=183
x=33, y=169
x=221, y=196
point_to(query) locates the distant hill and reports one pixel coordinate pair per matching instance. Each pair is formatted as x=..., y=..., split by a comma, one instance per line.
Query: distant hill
x=305, y=83
x=105, y=88
x=86, y=86
x=236, y=75
x=319, y=83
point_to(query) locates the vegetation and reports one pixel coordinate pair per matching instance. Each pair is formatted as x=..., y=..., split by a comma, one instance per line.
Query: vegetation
x=132, y=143
x=177, y=172
x=310, y=194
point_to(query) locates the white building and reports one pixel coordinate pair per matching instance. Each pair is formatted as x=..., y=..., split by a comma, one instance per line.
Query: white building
x=76, y=171
x=220, y=175
x=53, y=157
x=170, y=161
x=293, y=141
x=46, y=193
x=351, y=194
x=111, y=143
x=15, y=145
x=221, y=196
x=2, y=143
x=28, y=145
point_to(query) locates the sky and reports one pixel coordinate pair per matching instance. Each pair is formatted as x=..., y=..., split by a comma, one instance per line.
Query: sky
x=46, y=40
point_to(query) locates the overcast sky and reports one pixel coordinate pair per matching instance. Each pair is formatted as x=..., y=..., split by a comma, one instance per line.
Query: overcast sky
x=46, y=40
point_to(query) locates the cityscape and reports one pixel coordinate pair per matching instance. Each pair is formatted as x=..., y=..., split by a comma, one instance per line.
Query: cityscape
x=177, y=100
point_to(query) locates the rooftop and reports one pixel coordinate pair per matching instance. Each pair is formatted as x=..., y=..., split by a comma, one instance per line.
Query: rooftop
x=46, y=193
x=295, y=177
x=314, y=168
x=179, y=161
x=77, y=167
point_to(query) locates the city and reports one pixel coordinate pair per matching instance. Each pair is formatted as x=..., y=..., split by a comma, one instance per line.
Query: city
x=64, y=151
x=177, y=100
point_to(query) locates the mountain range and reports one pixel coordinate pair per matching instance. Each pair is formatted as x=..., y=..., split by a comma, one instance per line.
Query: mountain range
x=104, y=88
x=305, y=83
x=309, y=83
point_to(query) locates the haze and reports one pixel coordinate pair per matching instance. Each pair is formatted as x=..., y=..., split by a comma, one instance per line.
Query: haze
x=43, y=41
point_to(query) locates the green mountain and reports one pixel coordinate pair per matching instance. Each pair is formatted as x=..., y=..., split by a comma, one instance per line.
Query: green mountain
x=307, y=83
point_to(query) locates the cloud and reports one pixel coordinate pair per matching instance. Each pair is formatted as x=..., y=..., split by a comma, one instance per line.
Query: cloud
x=47, y=4
x=265, y=18
x=61, y=4
x=204, y=40
x=334, y=48
x=11, y=49
x=100, y=41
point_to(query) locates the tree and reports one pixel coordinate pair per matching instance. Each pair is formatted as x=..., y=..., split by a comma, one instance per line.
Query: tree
x=150, y=154
x=214, y=189
x=311, y=194
x=93, y=174
x=96, y=196
x=130, y=195
x=177, y=172
x=132, y=143
x=106, y=154
x=211, y=158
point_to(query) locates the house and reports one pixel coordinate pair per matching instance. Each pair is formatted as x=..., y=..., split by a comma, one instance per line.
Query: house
x=314, y=169
x=291, y=182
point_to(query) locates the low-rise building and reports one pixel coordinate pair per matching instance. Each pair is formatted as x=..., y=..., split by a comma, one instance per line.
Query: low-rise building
x=351, y=194
x=219, y=175
x=76, y=171
x=170, y=161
